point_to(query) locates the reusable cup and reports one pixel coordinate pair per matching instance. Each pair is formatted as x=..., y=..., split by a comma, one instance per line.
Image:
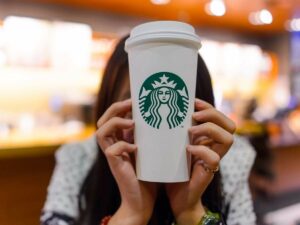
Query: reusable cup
x=162, y=67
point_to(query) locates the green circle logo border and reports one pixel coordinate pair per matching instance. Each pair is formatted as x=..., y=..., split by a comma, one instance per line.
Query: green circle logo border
x=163, y=88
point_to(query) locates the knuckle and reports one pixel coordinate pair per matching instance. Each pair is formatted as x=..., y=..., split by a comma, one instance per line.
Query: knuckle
x=197, y=140
x=99, y=135
x=195, y=115
x=215, y=160
x=230, y=140
x=99, y=123
x=101, y=145
x=232, y=126
x=108, y=153
x=114, y=120
x=210, y=105
x=115, y=106
x=209, y=127
x=191, y=130
x=210, y=114
x=212, y=111
x=122, y=144
x=198, y=112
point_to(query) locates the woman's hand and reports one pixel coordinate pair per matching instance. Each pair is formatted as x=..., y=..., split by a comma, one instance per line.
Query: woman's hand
x=210, y=139
x=138, y=197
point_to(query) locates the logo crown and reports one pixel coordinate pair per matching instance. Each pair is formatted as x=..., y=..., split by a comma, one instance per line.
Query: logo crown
x=164, y=83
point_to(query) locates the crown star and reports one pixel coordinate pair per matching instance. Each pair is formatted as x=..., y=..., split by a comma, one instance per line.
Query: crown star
x=164, y=83
x=164, y=79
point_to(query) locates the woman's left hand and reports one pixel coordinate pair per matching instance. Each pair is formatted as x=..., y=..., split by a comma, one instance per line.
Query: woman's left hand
x=210, y=139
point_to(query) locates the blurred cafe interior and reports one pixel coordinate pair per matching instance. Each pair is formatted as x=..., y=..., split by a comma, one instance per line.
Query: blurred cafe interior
x=52, y=56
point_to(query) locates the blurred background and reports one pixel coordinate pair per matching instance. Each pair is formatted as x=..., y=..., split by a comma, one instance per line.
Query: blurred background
x=52, y=56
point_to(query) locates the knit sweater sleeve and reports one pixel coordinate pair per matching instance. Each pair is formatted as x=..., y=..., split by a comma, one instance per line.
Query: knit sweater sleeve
x=235, y=169
x=73, y=163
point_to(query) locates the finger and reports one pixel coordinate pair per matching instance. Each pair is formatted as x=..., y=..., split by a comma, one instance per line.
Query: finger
x=118, y=157
x=115, y=109
x=215, y=116
x=128, y=135
x=214, y=132
x=115, y=152
x=107, y=131
x=200, y=105
x=200, y=177
x=202, y=140
x=210, y=157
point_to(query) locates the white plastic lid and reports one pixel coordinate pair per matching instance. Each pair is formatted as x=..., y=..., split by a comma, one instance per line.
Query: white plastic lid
x=163, y=31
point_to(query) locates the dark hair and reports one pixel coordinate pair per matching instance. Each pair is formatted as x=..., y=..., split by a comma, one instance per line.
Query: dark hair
x=100, y=188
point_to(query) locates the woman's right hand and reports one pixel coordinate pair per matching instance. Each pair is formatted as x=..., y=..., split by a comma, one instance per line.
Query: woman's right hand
x=138, y=197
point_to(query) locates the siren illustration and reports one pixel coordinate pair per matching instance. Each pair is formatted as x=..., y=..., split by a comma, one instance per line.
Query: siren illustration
x=163, y=88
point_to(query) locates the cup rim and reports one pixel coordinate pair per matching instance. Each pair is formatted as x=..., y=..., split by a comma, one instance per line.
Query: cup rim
x=186, y=36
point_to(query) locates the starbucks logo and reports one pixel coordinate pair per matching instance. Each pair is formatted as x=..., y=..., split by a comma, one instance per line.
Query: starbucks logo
x=163, y=98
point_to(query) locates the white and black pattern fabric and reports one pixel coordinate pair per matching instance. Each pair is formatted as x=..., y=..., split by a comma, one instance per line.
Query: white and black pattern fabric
x=74, y=161
x=51, y=218
x=235, y=169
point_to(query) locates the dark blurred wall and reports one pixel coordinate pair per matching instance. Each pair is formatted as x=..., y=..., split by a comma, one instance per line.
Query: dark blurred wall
x=23, y=185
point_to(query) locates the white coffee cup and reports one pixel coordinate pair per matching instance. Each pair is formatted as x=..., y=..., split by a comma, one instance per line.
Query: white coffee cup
x=162, y=66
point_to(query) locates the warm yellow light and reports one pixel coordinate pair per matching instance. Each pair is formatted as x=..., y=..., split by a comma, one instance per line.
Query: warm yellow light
x=293, y=25
x=216, y=8
x=26, y=41
x=160, y=2
x=71, y=45
x=261, y=17
x=265, y=16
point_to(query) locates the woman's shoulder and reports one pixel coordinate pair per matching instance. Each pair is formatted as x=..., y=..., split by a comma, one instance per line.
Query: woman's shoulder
x=85, y=151
x=239, y=158
x=237, y=163
x=73, y=163
x=235, y=169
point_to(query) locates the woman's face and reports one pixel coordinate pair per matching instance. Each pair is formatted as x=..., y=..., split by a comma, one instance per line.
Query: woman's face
x=164, y=95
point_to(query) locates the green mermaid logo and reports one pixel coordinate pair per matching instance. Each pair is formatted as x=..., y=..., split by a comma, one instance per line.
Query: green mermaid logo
x=163, y=98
